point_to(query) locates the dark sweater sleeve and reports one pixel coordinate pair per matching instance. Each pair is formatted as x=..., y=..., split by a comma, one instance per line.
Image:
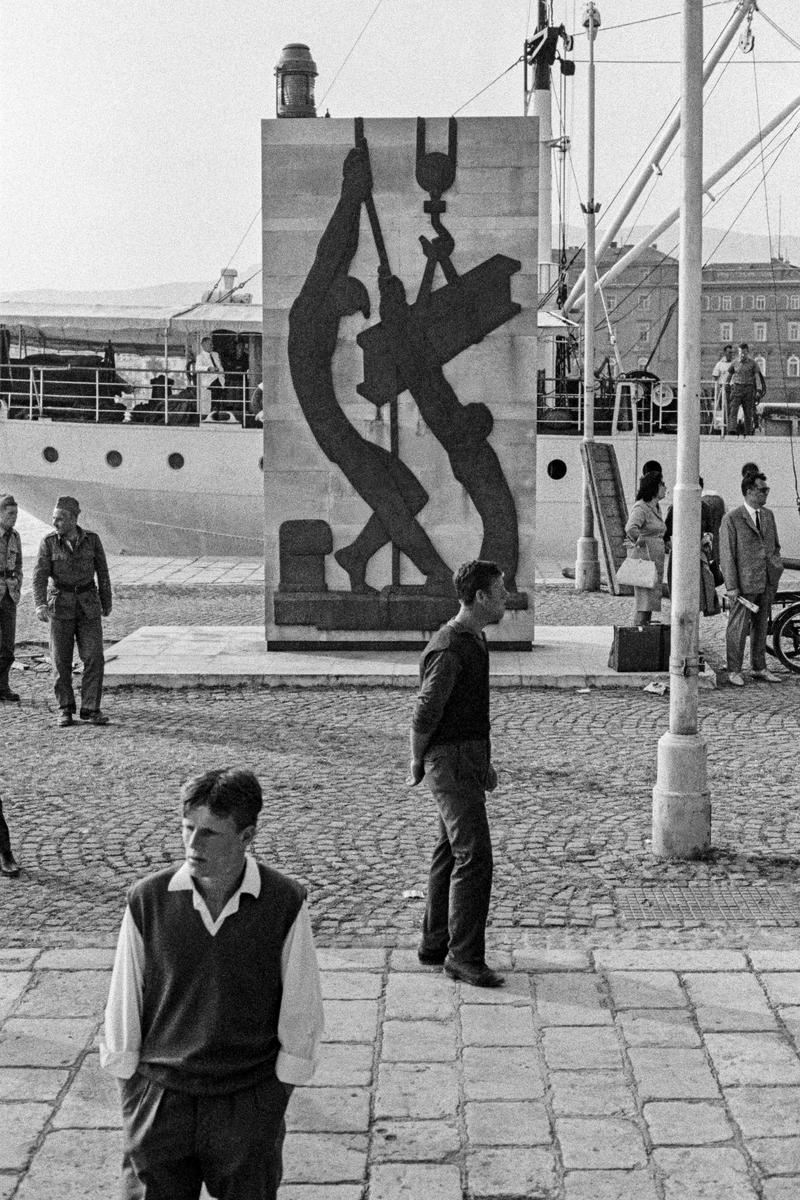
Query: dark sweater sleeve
x=101, y=570
x=441, y=670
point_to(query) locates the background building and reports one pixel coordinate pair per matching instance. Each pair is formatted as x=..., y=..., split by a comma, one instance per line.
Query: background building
x=757, y=303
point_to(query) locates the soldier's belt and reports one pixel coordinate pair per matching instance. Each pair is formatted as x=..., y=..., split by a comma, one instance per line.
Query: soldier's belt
x=75, y=588
x=9, y=574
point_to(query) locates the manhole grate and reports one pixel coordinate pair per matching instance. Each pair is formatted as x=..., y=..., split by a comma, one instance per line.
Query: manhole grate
x=721, y=904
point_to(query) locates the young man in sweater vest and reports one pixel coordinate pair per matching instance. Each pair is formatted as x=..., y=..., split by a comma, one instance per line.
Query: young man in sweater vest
x=450, y=746
x=214, y=1011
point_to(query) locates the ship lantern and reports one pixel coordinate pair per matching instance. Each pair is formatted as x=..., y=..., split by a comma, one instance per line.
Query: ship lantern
x=591, y=17
x=294, y=82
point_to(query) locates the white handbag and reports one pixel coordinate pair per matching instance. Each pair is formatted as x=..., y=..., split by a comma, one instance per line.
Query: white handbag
x=637, y=572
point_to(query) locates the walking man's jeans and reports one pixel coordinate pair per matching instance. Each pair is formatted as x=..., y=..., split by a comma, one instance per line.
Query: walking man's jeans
x=8, y=630
x=460, y=880
x=88, y=635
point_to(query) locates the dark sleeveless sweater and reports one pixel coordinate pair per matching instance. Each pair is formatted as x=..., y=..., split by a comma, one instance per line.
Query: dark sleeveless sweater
x=465, y=716
x=210, y=1005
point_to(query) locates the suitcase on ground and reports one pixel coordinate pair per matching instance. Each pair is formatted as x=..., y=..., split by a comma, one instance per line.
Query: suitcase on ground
x=640, y=648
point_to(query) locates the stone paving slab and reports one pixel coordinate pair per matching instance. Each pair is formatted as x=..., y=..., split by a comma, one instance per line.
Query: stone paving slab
x=213, y=656
x=473, y=1100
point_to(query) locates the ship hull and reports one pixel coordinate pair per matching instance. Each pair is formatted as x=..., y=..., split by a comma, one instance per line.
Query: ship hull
x=213, y=503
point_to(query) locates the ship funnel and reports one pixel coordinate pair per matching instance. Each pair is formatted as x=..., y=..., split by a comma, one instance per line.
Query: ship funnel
x=295, y=73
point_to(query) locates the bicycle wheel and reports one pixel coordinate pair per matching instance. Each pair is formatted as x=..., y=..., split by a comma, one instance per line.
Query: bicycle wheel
x=786, y=637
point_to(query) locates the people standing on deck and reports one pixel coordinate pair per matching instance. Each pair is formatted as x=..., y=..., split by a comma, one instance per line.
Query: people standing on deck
x=720, y=377
x=210, y=380
x=10, y=588
x=65, y=594
x=746, y=387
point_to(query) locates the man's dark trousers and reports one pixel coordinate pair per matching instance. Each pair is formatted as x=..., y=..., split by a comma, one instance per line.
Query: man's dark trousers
x=87, y=632
x=5, y=836
x=746, y=397
x=8, y=636
x=460, y=880
x=175, y=1142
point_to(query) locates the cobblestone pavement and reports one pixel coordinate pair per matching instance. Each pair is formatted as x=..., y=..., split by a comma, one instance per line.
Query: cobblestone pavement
x=91, y=809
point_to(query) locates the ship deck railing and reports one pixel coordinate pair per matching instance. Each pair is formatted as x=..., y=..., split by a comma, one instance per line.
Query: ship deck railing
x=101, y=394
x=649, y=407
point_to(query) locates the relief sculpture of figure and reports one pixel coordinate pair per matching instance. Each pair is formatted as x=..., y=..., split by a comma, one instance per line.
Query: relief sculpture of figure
x=388, y=486
x=463, y=430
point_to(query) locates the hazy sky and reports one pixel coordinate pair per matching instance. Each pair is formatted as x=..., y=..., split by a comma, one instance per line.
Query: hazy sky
x=130, y=128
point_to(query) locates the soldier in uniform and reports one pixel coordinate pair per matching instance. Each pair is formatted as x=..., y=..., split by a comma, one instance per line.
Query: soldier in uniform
x=66, y=595
x=10, y=585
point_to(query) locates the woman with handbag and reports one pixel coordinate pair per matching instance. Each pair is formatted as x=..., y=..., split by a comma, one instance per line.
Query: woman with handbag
x=644, y=538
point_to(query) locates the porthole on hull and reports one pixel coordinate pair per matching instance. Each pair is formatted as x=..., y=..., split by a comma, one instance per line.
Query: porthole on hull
x=114, y=458
x=176, y=461
x=556, y=468
x=50, y=454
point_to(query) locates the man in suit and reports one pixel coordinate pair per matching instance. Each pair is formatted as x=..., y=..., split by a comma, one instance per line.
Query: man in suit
x=750, y=557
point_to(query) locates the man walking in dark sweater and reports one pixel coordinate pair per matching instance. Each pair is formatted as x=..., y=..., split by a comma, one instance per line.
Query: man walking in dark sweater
x=214, y=1011
x=450, y=746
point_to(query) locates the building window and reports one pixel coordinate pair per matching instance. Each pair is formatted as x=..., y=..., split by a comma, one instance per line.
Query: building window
x=761, y=363
x=740, y=303
x=759, y=331
x=794, y=331
x=611, y=301
x=759, y=303
x=643, y=302
x=726, y=331
x=793, y=367
x=643, y=334
x=707, y=303
x=794, y=302
x=726, y=304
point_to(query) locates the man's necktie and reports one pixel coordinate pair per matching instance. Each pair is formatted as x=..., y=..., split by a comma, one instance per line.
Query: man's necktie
x=758, y=521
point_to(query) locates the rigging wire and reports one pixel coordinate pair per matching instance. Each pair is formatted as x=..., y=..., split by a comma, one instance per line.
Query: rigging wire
x=515, y=63
x=778, y=29
x=350, y=51
x=775, y=287
x=661, y=17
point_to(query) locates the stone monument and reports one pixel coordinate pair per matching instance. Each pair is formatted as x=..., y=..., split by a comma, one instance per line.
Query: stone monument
x=400, y=355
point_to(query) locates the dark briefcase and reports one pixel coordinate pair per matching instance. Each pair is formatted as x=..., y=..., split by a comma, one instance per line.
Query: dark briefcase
x=640, y=648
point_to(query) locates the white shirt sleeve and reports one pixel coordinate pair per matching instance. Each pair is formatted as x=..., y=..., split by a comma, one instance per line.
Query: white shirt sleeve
x=301, y=1019
x=121, y=1038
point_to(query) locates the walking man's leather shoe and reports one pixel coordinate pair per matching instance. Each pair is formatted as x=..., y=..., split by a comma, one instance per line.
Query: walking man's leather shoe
x=9, y=697
x=478, y=975
x=9, y=865
x=64, y=719
x=95, y=718
x=736, y=679
x=767, y=676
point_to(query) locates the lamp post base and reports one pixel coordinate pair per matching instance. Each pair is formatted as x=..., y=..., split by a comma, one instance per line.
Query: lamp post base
x=587, y=566
x=681, y=799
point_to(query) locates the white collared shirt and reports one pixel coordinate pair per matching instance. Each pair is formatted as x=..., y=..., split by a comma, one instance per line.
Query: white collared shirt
x=301, y=1018
x=751, y=512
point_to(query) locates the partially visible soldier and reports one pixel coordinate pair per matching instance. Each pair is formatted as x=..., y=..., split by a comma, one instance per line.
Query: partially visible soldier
x=65, y=594
x=10, y=586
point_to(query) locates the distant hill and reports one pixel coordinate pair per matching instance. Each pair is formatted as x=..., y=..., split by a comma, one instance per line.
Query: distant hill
x=717, y=247
x=159, y=293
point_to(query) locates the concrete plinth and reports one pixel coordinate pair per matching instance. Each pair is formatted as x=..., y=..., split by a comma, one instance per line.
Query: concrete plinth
x=681, y=799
